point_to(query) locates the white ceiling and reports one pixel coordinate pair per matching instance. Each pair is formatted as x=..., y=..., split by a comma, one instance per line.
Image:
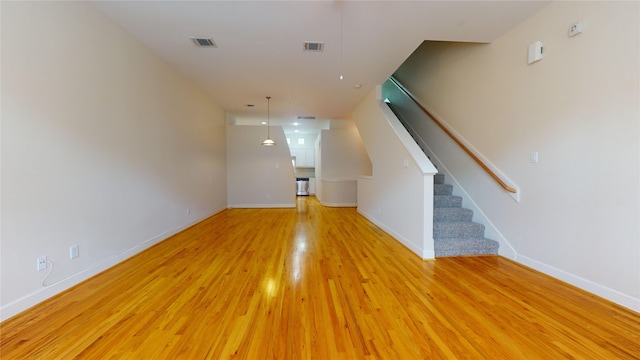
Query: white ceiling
x=260, y=47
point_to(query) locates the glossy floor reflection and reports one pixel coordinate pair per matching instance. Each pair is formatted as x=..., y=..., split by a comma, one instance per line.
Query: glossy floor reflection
x=316, y=283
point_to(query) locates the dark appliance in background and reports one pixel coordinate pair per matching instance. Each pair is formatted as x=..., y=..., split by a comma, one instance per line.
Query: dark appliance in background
x=302, y=186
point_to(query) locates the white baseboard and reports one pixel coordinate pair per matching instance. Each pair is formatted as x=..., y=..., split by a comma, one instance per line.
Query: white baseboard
x=409, y=245
x=339, y=204
x=260, y=206
x=607, y=293
x=17, y=306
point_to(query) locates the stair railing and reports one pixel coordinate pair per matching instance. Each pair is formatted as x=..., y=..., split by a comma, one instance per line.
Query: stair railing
x=454, y=138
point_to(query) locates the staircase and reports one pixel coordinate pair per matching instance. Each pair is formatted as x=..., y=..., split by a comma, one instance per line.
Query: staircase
x=454, y=234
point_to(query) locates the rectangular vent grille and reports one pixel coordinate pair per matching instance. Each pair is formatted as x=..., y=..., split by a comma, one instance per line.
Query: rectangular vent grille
x=314, y=46
x=306, y=117
x=204, y=42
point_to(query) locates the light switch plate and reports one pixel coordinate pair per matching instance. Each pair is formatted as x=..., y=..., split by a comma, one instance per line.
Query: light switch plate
x=74, y=251
x=533, y=157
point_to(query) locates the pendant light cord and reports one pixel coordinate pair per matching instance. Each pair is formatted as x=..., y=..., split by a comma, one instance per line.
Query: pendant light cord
x=268, y=116
x=268, y=141
x=341, y=46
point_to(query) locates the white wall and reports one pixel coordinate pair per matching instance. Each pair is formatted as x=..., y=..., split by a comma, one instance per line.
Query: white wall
x=103, y=145
x=399, y=199
x=578, y=218
x=318, y=146
x=309, y=140
x=344, y=158
x=344, y=154
x=259, y=176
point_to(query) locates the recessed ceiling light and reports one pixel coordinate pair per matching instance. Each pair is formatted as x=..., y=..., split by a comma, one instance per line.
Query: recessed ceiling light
x=264, y=123
x=357, y=86
x=295, y=130
x=295, y=124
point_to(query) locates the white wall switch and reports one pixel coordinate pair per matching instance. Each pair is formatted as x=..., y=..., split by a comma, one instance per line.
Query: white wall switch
x=74, y=251
x=533, y=157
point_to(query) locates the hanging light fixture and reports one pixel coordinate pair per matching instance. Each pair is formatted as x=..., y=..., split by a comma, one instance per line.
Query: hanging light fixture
x=268, y=141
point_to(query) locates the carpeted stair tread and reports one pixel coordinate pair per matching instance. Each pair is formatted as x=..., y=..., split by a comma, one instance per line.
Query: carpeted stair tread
x=460, y=247
x=446, y=201
x=454, y=233
x=452, y=214
x=442, y=189
x=462, y=229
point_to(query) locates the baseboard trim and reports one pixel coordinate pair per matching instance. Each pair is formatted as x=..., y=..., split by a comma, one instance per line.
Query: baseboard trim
x=399, y=238
x=607, y=293
x=24, y=303
x=260, y=206
x=338, y=204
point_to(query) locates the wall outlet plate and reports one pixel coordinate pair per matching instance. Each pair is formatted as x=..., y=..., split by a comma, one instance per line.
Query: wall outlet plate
x=41, y=263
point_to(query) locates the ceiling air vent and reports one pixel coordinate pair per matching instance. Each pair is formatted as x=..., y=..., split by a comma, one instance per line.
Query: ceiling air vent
x=314, y=46
x=306, y=117
x=204, y=42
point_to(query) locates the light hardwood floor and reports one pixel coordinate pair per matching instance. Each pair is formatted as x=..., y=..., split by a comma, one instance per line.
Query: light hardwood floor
x=316, y=283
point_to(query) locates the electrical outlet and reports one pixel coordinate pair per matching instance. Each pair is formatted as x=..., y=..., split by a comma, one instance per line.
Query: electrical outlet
x=74, y=251
x=42, y=263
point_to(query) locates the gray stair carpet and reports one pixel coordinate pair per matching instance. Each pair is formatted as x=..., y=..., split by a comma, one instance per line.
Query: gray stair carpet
x=454, y=234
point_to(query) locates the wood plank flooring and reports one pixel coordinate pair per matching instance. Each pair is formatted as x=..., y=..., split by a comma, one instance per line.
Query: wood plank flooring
x=316, y=283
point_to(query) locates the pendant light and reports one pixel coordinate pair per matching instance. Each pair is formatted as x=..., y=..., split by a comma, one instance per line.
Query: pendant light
x=268, y=141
